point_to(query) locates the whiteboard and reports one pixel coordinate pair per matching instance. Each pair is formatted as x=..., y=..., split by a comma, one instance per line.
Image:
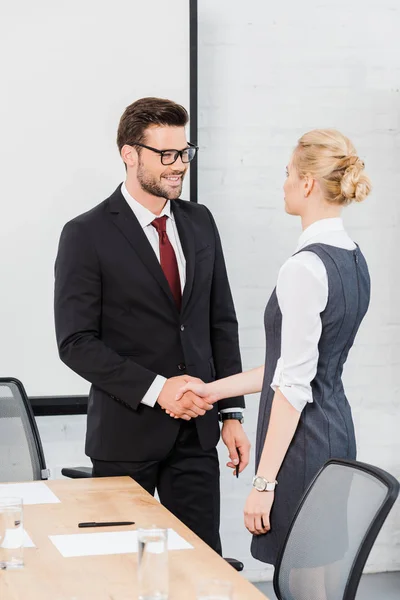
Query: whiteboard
x=69, y=69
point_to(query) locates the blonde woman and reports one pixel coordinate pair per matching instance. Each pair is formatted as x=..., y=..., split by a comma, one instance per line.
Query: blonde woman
x=311, y=320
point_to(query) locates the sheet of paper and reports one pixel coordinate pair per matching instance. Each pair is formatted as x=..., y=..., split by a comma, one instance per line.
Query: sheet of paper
x=35, y=492
x=12, y=539
x=111, y=542
x=176, y=542
x=27, y=541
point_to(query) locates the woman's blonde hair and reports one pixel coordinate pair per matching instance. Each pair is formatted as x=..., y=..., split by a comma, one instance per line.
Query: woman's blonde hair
x=330, y=157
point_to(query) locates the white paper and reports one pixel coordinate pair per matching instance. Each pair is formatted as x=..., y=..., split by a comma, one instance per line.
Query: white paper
x=115, y=542
x=12, y=539
x=27, y=541
x=35, y=492
x=176, y=542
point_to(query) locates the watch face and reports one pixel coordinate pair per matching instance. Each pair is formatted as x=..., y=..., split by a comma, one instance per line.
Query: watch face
x=259, y=484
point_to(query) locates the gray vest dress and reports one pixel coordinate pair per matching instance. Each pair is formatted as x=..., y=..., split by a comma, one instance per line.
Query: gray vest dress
x=325, y=429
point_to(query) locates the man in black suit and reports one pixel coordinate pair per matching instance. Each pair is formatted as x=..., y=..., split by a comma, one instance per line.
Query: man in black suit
x=142, y=304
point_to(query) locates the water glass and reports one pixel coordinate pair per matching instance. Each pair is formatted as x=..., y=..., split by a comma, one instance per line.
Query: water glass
x=153, y=564
x=214, y=590
x=11, y=533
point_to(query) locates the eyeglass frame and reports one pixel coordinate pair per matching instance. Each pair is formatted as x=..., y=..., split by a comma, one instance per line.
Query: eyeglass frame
x=161, y=152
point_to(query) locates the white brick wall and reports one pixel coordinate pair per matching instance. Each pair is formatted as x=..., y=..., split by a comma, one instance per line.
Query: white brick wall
x=268, y=73
x=63, y=440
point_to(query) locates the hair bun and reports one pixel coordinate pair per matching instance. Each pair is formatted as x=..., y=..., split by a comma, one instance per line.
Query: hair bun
x=330, y=158
x=355, y=185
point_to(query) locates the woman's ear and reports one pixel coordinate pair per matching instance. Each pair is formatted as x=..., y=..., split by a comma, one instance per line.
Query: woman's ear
x=308, y=185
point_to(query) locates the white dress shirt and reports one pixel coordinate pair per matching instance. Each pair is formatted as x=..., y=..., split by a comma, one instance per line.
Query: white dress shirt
x=302, y=292
x=145, y=218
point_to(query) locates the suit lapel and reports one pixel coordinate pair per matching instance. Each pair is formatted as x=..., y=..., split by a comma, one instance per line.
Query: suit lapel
x=129, y=226
x=186, y=236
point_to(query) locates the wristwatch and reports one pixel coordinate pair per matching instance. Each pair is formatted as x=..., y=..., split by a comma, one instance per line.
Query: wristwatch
x=237, y=416
x=263, y=485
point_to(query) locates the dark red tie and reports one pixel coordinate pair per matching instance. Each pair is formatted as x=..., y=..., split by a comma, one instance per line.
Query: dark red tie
x=168, y=259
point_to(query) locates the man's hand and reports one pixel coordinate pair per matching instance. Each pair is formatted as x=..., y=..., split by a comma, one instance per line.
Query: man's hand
x=188, y=407
x=198, y=387
x=238, y=444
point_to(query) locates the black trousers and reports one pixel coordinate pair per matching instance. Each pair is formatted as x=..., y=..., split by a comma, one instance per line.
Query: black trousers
x=187, y=482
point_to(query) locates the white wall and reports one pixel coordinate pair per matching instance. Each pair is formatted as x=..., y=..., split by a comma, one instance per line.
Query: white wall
x=267, y=74
x=68, y=71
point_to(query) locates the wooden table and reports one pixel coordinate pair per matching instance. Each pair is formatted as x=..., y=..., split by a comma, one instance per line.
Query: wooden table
x=47, y=575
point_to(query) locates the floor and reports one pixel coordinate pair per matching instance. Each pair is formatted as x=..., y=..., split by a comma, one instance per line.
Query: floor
x=382, y=586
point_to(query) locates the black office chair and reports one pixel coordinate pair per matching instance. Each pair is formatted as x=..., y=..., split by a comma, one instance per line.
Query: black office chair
x=21, y=451
x=333, y=532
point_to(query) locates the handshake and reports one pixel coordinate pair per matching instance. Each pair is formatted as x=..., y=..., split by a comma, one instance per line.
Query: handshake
x=185, y=398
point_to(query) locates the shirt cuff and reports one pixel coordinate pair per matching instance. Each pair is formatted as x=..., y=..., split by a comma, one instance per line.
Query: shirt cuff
x=297, y=394
x=231, y=410
x=150, y=397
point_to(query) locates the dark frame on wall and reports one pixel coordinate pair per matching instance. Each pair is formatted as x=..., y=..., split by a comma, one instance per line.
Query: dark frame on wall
x=77, y=405
x=193, y=82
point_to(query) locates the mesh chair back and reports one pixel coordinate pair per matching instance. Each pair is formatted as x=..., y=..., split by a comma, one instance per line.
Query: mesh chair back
x=333, y=532
x=21, y=453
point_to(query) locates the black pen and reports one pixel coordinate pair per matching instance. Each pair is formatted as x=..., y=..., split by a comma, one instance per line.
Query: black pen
x=106, y=524
x=237, y=466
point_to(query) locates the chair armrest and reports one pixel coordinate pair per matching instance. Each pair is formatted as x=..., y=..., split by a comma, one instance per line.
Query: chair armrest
x=236, y=564
x=77, y=472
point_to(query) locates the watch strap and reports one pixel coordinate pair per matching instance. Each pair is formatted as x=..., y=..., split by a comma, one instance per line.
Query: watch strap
x=238, y=416
x=269, y=486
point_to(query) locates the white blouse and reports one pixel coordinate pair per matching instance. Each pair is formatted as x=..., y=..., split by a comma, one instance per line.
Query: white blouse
x=302, y=292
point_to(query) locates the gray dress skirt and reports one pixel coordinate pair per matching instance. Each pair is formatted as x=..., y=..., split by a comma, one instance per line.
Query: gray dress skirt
x=325, y=429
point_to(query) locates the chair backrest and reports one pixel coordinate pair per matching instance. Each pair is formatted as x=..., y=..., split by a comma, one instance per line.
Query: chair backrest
x=333, y=532
x=21, y=452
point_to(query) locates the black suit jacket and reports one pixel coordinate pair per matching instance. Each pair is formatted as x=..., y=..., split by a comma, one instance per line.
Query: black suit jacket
x=118, y=326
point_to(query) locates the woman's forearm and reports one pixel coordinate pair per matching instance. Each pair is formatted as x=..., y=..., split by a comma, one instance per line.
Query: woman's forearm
x=281, y=429
x=249, y=382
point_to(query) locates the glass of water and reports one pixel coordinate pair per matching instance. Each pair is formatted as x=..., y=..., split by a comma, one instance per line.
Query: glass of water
x=214, y=589
x=153, y=564
x=11, y=533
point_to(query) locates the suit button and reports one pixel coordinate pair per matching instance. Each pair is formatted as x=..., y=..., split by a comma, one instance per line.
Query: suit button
x=182, y=366
x=182, y=328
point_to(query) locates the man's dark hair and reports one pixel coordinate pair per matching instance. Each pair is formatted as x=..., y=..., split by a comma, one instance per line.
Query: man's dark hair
x=147, y=112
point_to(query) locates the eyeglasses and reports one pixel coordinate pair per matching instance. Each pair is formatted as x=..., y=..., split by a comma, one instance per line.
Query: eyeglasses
x=168, y=157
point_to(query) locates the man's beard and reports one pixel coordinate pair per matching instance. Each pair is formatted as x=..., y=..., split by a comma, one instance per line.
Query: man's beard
x=150, y=185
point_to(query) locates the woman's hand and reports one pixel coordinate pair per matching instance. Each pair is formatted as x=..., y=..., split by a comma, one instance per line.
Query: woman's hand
x=257, y=511
x=198, y=388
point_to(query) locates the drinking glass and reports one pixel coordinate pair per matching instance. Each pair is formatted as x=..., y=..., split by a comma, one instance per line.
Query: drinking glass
x=153, y=563
x=11, y=533
x=214, y=589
